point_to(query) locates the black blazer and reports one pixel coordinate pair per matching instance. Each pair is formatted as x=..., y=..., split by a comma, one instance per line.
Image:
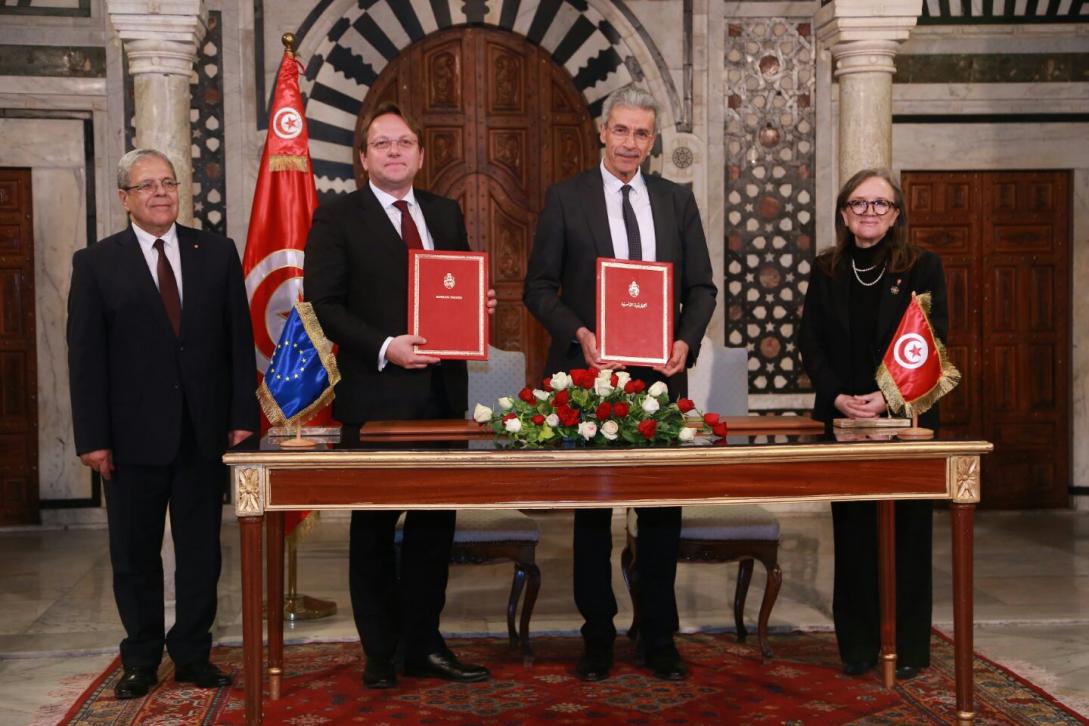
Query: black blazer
x=129, y=375
x=573, y=231
x=825, y=336
x=356, y=276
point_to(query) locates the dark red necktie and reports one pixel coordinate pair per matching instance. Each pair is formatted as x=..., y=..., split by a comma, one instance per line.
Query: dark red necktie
x=409, y=232
x=168, y=289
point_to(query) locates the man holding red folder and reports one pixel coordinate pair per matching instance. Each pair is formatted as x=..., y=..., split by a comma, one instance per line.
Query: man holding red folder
x=356, y=276
x=615, y=211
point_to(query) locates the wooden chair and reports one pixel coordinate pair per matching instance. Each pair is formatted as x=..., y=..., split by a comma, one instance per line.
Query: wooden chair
x=487, y=536
x=727, y=533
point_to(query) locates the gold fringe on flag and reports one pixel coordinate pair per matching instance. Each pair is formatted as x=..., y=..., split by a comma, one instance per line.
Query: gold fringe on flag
x=287, y=162
x=947, y=381
x=325, y=352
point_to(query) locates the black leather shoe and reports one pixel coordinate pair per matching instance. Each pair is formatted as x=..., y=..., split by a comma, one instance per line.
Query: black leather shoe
x=594, y=664
x=445, y=665
x=379, y=674
x=906, y=672
x=666, y=664
x=135, y=682
x=858, y=667
x=202, y=674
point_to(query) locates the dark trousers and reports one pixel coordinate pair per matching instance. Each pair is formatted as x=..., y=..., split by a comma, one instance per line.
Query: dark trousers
x=391, y=606
x=856, y=606
x=136, y=506
x=656, y=568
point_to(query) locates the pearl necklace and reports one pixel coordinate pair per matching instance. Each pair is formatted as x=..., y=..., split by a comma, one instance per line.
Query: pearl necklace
x=856, y=269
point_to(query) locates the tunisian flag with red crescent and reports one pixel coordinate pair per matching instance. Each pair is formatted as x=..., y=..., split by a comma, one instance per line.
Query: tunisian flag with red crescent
x=915, y=371
x=283, y=205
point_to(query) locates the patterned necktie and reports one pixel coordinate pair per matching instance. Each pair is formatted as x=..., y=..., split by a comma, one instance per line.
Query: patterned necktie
x=168, y=289
x=631, y=224
x=409, y=232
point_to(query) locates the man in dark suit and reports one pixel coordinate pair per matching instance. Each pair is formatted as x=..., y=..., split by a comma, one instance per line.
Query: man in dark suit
x=356, y=276
x=160, y=359
x=616, y=211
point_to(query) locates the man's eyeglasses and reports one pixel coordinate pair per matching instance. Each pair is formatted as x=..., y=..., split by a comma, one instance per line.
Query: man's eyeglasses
x=147, y=187
x=620, y=133
x=404, y=144
x=880, y=207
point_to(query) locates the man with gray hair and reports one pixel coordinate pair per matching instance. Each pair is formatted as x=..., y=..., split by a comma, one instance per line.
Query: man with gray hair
x=615, y=211
x=160, y=360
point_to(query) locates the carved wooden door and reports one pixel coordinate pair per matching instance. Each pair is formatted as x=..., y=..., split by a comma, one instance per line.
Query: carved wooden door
x=18, y=354
x=501, y=122
x=1004, y=238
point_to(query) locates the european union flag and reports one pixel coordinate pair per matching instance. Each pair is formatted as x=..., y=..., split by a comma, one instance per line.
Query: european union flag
x=300, y=378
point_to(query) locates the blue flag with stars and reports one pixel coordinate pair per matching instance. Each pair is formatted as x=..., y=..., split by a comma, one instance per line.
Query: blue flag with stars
x=301, y=375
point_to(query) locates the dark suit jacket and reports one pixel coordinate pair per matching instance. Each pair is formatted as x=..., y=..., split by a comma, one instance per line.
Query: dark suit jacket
x=825, y=336
x=129, y=374
x=573, y=231
x=356, y=276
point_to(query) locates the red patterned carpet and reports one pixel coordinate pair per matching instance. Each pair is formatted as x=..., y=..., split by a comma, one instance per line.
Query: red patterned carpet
x=728, y=685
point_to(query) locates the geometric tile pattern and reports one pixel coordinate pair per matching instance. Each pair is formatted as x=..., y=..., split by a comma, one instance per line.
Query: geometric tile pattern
x=770, y=68
x=365, y=36
x=70, y=8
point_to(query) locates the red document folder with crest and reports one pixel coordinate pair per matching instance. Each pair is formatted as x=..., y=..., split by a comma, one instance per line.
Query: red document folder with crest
x=447, y=303
x=634, y=311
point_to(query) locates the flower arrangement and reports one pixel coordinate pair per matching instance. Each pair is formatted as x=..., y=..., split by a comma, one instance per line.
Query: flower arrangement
x=597, y=408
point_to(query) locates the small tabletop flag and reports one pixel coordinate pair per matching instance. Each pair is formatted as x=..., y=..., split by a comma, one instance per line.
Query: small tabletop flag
x=301, y=375
x=915, y=371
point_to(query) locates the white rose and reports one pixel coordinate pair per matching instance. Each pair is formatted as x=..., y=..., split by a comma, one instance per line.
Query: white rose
x=650, y=405
x=622, y=378
x=610, y=430
x=587, y=430
x=686, y=434
x=513, y=425
x=657, y=389
x=552, y=420
x=560, y=381
x=506, y=403
x=540, y=395
x=482, y=414
x=603, y=386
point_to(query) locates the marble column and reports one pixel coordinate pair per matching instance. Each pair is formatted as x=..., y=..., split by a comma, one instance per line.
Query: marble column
x=863, y=37
x=161, y=42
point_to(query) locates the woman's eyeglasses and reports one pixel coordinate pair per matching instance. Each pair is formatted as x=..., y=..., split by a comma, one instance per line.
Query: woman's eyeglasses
x=880, y=207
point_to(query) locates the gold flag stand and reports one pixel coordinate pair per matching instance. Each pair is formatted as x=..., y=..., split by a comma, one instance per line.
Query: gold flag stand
x=915, y=433
x=301, y=607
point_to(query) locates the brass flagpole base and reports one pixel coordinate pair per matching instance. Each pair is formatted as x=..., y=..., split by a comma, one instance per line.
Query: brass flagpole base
x=915, y=433
x=304, y=607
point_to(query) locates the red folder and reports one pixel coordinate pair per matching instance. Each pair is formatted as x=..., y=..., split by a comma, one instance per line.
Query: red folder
x=447, y=303
x=634, y=311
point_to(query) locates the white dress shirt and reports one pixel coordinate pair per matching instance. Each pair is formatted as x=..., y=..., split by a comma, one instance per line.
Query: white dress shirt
x=640, y=202
x=387, y=200
x=151, y=255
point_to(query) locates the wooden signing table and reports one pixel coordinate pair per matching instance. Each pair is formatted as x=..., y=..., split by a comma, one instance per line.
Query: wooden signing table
x=444, y=466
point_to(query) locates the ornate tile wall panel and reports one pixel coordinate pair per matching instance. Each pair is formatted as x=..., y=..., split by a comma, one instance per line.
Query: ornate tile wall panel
x=770, y=136
x=206, y=123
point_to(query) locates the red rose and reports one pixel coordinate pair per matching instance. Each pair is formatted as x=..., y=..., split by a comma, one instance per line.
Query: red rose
x=547, y=385
x=620, y=409
x=719, y=429
x=586, y=380
x=710, y=418
x=509, y=416
x=634, y=386
x=569, y=417
x=561, y=398
x=526, y=395
x=648, y=427
x=614, y=380
x=603, y=411
x=538, y=419
x=685, y=405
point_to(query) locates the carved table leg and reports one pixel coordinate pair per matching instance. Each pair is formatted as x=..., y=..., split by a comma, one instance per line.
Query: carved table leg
x=250, y=530
x=963, y=516
x=274, y=535
x=886, y=569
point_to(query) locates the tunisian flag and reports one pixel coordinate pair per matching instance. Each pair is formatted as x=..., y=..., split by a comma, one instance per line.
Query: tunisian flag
x=283, y=205
x=915, y=371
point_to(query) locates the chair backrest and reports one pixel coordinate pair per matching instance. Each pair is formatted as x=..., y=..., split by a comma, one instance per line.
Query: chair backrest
x=503, y=374
x=719, y=381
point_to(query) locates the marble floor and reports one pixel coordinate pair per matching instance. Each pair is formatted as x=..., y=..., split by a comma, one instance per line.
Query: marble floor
x=60, y=628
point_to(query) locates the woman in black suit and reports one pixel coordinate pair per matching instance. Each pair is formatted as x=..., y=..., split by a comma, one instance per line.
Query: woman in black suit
x=858, y=292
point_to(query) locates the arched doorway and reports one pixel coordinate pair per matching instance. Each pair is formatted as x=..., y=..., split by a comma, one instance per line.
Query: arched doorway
x=501, y=122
